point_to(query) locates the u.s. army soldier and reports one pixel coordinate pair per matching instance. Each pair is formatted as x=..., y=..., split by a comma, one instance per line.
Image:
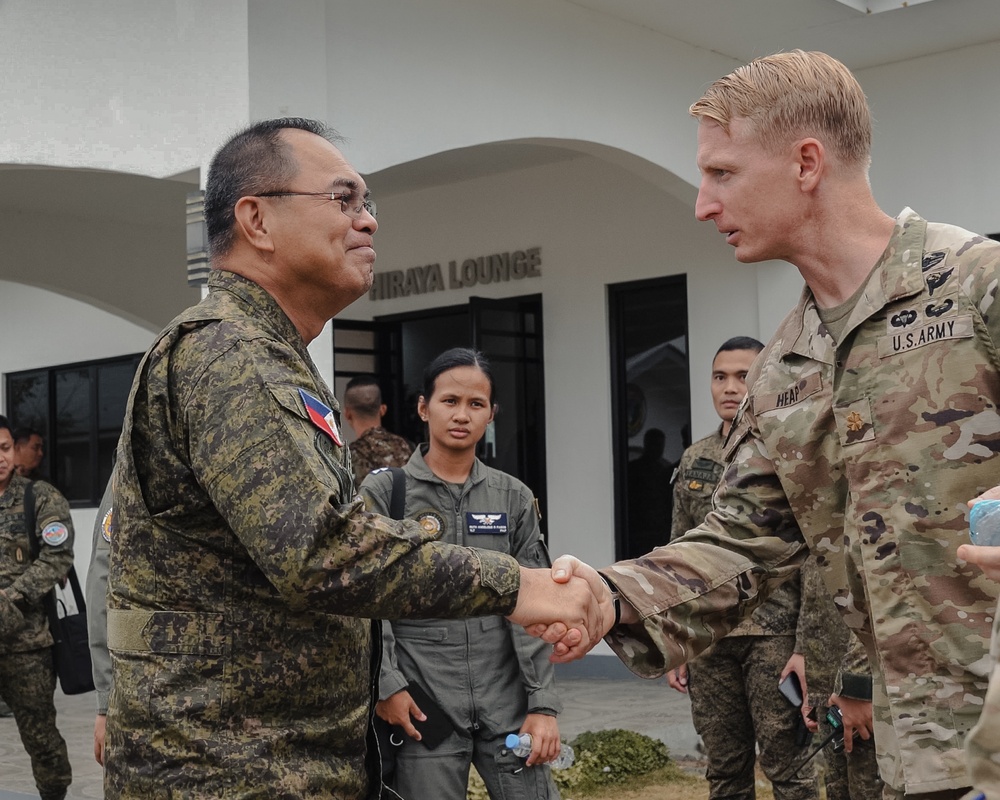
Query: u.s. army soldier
x=243, y=579
x=735, y=702
x=871, y=419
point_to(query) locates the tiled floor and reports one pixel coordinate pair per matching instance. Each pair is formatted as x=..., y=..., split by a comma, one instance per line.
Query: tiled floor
x=616, y=699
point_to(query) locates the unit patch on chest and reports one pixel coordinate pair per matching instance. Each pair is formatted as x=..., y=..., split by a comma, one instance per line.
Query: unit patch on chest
x=430, y=521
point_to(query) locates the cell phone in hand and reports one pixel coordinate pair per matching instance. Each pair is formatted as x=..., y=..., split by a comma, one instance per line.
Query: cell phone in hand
x=437, y=727
x=791, y=689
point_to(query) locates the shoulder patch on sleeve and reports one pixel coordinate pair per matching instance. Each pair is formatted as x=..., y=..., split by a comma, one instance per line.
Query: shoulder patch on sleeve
x=108, y=525
x=321, y=416
x=55, y=534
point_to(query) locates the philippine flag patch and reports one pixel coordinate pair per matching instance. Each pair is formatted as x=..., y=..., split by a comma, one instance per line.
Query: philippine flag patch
x=322, y=417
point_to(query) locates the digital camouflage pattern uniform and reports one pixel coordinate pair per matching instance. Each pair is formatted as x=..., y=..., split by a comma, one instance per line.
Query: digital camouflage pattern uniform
x=375, y=448
x=983, y=744
x=735, y=702
x=864, y=454
x=27, y=677
x=244, y=583
x=485, y=673
x=835, y=661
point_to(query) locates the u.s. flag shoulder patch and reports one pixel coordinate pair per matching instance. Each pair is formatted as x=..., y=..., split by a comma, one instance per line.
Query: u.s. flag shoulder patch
x=321, y=416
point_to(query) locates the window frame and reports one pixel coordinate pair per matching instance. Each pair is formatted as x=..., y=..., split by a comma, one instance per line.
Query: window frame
x=95, y=433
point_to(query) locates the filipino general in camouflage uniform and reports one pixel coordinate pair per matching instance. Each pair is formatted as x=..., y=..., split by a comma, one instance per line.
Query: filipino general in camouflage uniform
x=374, y=446
x=735, y=702
x=871, y=420
x=244, y=582
x=27, y=677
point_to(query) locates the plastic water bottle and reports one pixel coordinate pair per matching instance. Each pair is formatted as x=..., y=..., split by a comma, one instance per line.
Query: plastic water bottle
x=521, y=746
x=984, y=522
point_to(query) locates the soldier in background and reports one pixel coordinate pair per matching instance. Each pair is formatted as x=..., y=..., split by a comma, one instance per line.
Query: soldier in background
x=871, y=420
x=27, y=675
x=29, y=450
x=245, y=581
x=373, y=446
x=735, y=702
x=836, y=664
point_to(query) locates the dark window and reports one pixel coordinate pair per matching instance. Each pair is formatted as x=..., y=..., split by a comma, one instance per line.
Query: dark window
x=78, y=409
x=651, y=406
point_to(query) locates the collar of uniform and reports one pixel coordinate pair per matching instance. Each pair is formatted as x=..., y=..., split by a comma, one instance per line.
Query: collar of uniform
x=420, y=470
x=14, y=491
x=898, y=271
x=897, y=274
x=251, y=295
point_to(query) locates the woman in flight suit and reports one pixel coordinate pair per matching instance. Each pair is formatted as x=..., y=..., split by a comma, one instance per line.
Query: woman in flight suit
x=489, y=678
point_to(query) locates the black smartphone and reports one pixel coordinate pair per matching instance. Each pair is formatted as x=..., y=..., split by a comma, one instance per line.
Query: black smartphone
x=791, y=689
x=436, y=728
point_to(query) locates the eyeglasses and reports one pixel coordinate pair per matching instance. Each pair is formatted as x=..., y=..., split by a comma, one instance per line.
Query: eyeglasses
x=350, y=203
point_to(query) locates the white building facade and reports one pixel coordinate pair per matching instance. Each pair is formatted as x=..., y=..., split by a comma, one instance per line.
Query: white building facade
x=542, y=133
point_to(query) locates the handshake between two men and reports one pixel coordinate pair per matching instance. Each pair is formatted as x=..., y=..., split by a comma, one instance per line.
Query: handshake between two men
x=571, y=607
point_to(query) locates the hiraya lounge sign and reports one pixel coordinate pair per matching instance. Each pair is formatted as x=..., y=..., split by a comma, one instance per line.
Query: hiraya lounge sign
x=497, y=268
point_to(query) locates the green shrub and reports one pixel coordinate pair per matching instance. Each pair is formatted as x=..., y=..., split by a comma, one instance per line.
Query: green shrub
x=603, y=758
x=610, y=757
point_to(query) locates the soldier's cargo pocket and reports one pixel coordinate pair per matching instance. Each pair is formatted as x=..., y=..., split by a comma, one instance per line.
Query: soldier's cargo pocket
x=517, y=780
x=187, y=690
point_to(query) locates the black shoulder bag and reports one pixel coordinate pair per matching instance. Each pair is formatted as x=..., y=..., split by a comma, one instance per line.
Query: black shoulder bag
x=70, y=649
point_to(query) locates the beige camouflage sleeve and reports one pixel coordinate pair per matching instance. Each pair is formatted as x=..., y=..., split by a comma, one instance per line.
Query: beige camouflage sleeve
x=690, y=593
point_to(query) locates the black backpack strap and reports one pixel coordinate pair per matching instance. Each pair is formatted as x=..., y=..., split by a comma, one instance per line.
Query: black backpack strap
x=397, y=500
x=29, y=520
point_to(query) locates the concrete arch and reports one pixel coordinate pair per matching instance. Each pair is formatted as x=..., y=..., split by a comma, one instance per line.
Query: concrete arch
x=490, y=158
x=113, y=240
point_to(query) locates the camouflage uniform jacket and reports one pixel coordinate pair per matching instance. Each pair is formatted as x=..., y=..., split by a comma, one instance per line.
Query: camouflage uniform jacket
x=26, y=582
x=510, y=671
x=243, y=579
x=983, y=744
x=375, y=448
x=865, y=454
x=697, y=476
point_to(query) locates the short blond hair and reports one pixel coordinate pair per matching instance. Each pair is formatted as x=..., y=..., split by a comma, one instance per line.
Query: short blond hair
x=790, y=95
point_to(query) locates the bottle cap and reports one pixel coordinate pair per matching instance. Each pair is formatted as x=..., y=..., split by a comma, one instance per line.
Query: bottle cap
x=513, y=740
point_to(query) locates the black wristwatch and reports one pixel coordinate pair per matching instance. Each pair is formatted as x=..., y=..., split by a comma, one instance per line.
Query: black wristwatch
x=616, y=599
